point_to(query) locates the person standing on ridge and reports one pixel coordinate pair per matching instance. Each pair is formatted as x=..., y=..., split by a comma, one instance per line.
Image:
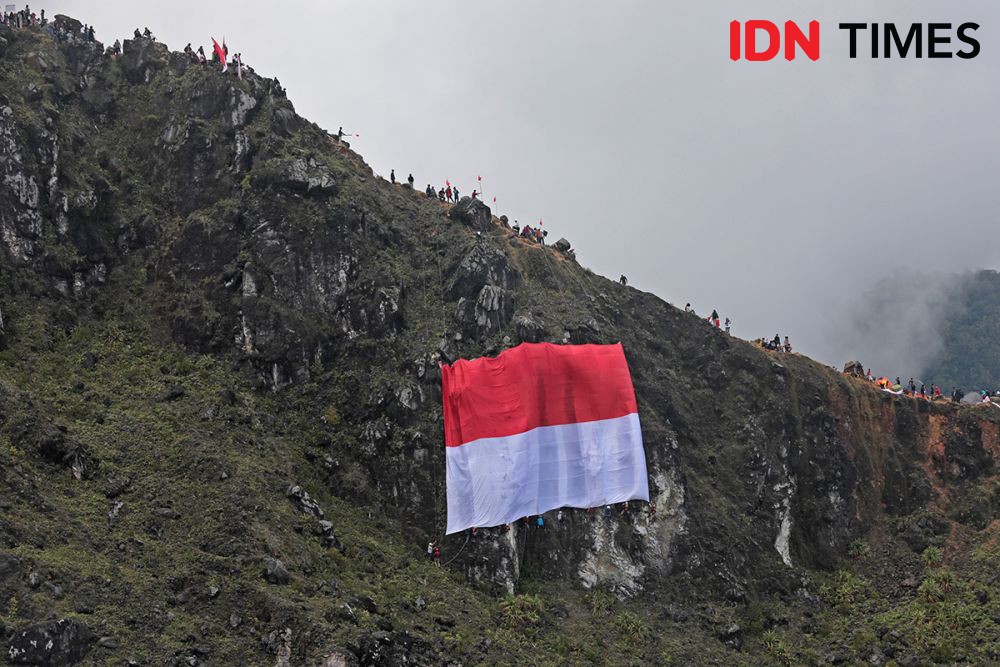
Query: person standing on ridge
x=623, y=280
x=788, y=346
x=474, y=194
x=409, y=179
x=392, y=176
x=447, y=192
x=729, y=323
x=455, y=191
x=715, y=318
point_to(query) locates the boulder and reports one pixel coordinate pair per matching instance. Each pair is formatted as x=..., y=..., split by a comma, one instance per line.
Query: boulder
x=562, y=245
x=141, y=58
x=57, y=643
x=855, y=368
x=275, y=571
x=473, y=213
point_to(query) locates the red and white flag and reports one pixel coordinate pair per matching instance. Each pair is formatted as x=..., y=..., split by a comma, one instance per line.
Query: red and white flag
x=221, y=53
x=539, y=427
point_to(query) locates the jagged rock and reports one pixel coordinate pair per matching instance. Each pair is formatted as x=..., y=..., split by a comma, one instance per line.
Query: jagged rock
x=855, y=368
x=562, y=245
x=301, y=174
x=58, y=643
x=141, y=58
x=489, y=313
x=530, y=329
x=305, y=501
x=485, y=264
x=275, y=571
x=473, y=213
x=585, y=332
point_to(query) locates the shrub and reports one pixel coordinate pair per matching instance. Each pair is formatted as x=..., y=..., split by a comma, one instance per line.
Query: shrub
x=522, y=611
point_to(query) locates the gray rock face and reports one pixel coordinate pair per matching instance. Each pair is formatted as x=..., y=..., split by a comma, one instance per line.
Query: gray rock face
x=57, y=643
x=141, y=58
x=562, y=245
x=302, y=174
x=473, y=213
x=485, y=264
x=489, y=312
x=530, y=329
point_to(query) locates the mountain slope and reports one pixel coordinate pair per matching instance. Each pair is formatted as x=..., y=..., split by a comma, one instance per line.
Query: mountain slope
x=970, y=353
x=221, y=330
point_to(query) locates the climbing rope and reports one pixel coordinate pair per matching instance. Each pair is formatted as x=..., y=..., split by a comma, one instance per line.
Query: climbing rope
x=468, y=536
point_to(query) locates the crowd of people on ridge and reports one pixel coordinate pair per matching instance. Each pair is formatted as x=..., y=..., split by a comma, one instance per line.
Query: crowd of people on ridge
x=920, y=389
x=25, y=18
x=450, y=194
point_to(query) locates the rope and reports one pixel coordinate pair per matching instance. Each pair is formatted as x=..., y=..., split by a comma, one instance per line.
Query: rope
x=467, y=537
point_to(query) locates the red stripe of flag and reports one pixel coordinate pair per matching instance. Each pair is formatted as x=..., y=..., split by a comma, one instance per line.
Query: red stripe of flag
x=533, y=385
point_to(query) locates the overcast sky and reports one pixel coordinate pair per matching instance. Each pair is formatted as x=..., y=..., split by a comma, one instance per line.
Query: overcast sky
x=777, y=192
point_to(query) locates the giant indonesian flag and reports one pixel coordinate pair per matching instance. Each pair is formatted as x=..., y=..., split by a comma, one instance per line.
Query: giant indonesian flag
x=539, y=427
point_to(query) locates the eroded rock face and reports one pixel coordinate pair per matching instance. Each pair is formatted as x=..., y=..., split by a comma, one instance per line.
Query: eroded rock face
x=485, y=264
x=59, y=643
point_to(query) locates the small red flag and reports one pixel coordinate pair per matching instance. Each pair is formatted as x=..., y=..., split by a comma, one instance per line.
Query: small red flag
x=479, y=178
x=221, y=54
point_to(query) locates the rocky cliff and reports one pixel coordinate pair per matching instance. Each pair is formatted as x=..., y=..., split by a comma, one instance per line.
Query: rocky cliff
x=221, y=437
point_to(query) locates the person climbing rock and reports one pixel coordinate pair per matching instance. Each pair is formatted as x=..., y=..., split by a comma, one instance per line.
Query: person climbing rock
x=540, y=523
x=475, y=195
x=623, y=280
x=437, y=555
x=688, y=308
x=430, y=551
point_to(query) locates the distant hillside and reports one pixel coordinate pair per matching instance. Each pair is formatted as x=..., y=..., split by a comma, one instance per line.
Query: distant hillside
x=970, y=356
